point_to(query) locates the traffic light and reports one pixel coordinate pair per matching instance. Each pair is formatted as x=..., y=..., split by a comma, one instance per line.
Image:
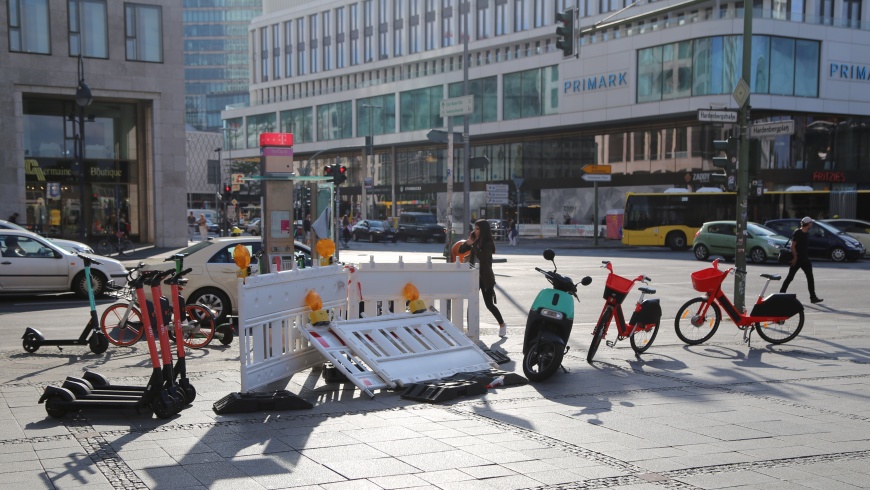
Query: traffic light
x=228, y=192
x=565, y=32
x=728, y=162
x=337, y=172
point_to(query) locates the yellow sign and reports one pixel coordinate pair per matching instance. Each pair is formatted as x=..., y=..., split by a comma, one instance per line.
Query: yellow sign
x=596, y=169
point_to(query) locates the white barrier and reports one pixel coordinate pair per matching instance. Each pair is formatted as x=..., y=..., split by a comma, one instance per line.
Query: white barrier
x=272, y=307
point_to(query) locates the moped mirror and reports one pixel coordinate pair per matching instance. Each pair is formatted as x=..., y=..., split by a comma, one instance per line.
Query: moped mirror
x=586, y=281
x=549, y=254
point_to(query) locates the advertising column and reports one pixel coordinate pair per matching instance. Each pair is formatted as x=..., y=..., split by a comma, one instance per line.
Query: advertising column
x=276, y=153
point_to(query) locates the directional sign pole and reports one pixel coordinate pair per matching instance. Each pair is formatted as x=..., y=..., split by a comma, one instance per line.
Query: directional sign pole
x=595, y=213
x=743, y=167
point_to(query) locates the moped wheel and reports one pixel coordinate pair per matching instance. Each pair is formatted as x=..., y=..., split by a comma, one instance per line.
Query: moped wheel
x=119, y=331
x=642, y=340
x=781, y=332
x=542, y=360
x=692, y=326
x=31, y=343
x=98, y=343
x=598, y=334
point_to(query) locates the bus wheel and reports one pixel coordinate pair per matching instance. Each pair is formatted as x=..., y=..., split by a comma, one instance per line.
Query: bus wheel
x=676, y=240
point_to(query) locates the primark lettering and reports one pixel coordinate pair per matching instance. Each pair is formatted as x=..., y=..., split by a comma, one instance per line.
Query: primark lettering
x=595, y=83
x=849, y=71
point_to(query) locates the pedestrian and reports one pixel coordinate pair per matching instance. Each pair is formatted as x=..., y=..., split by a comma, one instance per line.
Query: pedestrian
x=203, y=227
x=513, y=232
x=41, y=215
x=800, y=258
x=13, y=218
x=482, y=246
x=306, y=227
x=345, y=229
x=191, y=226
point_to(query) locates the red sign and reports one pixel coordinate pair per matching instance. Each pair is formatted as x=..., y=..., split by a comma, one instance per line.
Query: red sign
x=828, y=176
x=276, y=139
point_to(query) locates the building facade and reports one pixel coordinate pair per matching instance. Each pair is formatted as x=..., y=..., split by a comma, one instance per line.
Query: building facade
x=335, y=72
x=93, y=126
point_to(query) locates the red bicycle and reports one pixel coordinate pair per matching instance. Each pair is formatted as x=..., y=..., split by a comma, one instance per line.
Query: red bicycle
x=643, y=326
x=777, y=318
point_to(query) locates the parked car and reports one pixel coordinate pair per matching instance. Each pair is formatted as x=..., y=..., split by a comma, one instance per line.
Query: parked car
x=373, y=231
x=212, y=226
x=36, y=264
x=422, y=226
x=212, y=282
x=68, y=245
x=824, y=241
x=253, y=227
x=858, y=229
x=720, y=238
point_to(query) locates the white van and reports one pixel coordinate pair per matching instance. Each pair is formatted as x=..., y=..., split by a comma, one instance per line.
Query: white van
x=211, y=214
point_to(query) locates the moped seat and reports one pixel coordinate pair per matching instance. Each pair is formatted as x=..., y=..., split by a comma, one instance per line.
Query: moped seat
x=772, y=277
x=647, y=290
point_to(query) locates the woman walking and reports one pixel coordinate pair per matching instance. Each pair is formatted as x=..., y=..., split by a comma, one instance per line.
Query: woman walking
x=203, y=227
x=482, y=246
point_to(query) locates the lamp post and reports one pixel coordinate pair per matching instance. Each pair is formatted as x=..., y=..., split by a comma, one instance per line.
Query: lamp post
x=369, y=156
x=83, y=99
x=217, y=184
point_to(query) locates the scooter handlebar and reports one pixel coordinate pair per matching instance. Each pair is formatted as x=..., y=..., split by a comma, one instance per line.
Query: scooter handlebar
x=177, y=277
x=88, y=260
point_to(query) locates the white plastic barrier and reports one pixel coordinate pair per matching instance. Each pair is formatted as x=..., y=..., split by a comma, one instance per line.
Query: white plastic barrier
x=272, y=307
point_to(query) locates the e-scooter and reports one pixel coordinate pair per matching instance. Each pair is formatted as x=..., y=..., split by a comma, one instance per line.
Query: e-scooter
x=549, y=324
x=75, y=395
x=91, y=336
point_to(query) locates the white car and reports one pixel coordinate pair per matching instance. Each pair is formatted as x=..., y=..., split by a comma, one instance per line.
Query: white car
x=855, y=227
x=30, y=263
x=212, y=282
x=68, y=245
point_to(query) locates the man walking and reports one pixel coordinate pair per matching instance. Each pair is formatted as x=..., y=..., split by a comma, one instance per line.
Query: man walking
x=191, y=226
x=800, y=258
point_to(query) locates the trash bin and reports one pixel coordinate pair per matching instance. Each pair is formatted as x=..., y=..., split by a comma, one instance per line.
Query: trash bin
x=614, y=224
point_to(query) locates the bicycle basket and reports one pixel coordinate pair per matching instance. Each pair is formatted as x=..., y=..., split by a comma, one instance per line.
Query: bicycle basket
x=708, y=280
x=617, y=287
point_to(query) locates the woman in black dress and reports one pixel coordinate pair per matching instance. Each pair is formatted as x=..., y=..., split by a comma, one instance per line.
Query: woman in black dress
x=482, y=247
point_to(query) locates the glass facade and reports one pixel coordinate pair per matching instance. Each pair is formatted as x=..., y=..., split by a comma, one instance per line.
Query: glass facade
x=88, y=29
x=216, y=58
x=420, y=108
x=28, y=26
x=485, y=92
x=713, y=65
x=143, y=30
x=300, y=123
x=376, y=115
x=107, y=177
x=531, y=93
x=334, y=121
x=261, y=123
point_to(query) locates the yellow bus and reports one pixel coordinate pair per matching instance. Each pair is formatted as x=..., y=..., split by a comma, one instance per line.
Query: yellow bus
x=672, y=218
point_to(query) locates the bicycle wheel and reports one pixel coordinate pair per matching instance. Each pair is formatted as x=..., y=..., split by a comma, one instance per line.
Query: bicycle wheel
x=104, y=247
x=598, y=333
x=127, y=247
x=781, y=332
x=692, y=326
x=641, y=340
x=197, y=326
x=121, y=327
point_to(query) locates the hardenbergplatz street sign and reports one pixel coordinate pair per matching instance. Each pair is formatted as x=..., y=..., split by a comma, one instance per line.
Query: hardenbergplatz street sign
x=771, y=129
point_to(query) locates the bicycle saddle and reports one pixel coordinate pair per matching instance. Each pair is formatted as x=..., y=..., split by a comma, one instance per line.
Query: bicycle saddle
x=647, y=290
x=772, y=277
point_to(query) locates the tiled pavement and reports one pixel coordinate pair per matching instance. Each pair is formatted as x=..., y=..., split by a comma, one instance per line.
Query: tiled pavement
x=719, y=415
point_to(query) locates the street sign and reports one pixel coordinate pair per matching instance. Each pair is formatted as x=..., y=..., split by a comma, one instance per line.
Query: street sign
x=596, y=169
x=518, y=181
x=496, y=187
x=596, y=177
x=496, y=200
x=741, y=92
x=717, y=116
x=497, y=194
x=238, y=179
x=771, y=129
x=457, y=106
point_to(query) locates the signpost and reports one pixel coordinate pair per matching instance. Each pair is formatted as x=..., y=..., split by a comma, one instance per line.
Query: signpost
x=595, y=174
x=497, y=194
x=705, y=115
x=596, y=169
x=771, y=129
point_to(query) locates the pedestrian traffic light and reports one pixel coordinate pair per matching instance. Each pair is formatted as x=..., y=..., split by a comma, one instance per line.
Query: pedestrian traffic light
x=228, y=191
x=727, y=162
x=565, y=32
x=337, y=172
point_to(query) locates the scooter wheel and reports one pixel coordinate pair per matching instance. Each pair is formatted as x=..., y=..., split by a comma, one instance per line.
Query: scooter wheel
x=189, y=393
x=31, y=343
x=52, y=408
x=98, y=343
x=225, y=334
x=164, y=410
x=542, y=360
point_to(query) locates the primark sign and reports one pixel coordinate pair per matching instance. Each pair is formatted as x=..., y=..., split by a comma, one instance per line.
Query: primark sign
x=849, y=71
x=595, y=83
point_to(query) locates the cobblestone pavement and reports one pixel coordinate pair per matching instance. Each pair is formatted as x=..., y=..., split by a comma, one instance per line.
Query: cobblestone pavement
x=716, y=415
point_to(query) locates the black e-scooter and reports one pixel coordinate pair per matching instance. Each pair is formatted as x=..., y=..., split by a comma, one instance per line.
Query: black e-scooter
x=60, y=400
x=91, y=336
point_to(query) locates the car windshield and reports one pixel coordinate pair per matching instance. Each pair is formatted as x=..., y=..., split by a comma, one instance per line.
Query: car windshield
x=426, y=219
x=760, y=230
x=195, y=248
x=829, y=228
x=376, y=224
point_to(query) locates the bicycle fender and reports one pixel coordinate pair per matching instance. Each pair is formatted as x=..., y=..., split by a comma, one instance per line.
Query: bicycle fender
x=547, y=335
x=650, y=312
x=778, y=305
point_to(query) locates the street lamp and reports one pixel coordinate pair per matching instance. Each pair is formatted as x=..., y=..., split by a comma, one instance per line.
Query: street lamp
x=83, y=99
x=217, y=183
x=369, y=156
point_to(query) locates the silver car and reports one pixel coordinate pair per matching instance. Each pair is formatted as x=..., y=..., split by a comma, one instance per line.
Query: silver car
x=68, y=245
x=31, y=263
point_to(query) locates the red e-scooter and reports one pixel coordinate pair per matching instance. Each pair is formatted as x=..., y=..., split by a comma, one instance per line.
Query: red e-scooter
x=77, y=395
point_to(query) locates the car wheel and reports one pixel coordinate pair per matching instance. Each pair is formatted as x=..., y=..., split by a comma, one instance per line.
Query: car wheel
x=214, y=299
x=372, y=238
x=356, y=237
x=838, y=254
x=98, y=282
x=701, y=252
x=758, y=255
